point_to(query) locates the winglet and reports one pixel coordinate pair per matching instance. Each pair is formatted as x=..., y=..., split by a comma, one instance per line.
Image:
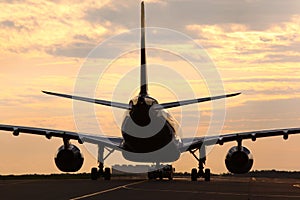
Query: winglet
x=144, y=81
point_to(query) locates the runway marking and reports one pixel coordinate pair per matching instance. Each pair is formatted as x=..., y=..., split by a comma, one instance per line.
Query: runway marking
x=214, y=193
x=108, y=190
x=296, y=185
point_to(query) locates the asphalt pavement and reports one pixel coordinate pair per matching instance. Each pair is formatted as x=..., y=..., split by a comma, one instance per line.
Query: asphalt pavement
x=133, y=189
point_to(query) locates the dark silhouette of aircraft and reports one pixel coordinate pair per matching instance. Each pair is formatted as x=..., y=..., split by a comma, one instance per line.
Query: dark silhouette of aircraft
x=149, y=134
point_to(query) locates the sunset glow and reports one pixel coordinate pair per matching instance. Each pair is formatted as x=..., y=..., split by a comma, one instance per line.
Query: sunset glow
x=254, y=45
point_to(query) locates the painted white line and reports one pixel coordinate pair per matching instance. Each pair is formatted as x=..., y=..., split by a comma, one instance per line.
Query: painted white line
x=108, y=190
x=253, y=179
x=296, y=185
x=215, y=193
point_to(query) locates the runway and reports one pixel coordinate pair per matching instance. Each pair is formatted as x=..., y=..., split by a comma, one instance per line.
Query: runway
x=179, y=188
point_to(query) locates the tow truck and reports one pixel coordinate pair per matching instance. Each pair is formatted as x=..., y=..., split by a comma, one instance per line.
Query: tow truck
x=166, y=171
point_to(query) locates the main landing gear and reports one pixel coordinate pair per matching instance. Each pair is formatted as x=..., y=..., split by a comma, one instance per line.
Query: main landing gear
x=201, y=173
x=99, y=172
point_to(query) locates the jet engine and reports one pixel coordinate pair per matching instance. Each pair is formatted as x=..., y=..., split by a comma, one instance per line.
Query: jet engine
x=69, y=159
x=239, y=160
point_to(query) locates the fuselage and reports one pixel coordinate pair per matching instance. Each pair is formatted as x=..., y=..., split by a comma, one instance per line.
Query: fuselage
x=152, y=132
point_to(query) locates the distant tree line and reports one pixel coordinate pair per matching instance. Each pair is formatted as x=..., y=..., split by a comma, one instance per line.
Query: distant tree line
x=255, y=173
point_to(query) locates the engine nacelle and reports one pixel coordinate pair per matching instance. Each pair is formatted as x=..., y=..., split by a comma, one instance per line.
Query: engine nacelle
x=70, y=159
x=239, y=162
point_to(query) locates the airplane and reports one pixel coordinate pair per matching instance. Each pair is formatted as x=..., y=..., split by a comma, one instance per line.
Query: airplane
x=149, y=134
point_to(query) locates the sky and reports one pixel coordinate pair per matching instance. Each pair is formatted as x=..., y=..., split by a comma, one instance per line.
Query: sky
x=44, y=45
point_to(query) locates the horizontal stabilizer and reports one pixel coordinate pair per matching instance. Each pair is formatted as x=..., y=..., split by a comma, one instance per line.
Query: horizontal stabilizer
x=192, y=101
x=96, y=101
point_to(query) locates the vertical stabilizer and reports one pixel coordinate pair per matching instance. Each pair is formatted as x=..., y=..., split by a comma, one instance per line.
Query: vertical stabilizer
x=144, y=81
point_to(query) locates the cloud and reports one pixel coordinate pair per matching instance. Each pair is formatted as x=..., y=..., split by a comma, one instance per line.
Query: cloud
x=239, y=44
x=280, y=58
x=276, y=113
x=38, y=26
x=263, y=79
x=78, y=50
x=54, y=27
x=8, y=23
x=72, y=29
x=257, y=15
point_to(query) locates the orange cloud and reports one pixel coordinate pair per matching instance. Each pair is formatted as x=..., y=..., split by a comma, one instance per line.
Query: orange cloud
x=237, y=43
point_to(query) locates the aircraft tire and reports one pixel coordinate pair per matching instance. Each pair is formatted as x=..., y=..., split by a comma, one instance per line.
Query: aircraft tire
x=160, y=175
x=107, y=174
x=170, y=177
x=94, y=173
x=150, y=175
x=194, y=174
x=207, y=175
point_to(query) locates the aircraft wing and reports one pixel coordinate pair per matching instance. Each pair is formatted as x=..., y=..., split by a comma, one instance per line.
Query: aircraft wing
x=111, y=142
x=194, y=143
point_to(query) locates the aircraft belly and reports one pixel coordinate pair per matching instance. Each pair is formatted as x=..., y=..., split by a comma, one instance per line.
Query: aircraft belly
x=146, y=139
x=168, y=153
x=149, y=144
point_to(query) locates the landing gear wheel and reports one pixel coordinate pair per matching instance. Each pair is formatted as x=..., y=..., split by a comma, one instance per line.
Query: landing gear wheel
x=207, y=175
x=160, y=176
x=194, y=174
x=150, y=175
x=94, y=173
x=107, y=174
x=172, y=174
